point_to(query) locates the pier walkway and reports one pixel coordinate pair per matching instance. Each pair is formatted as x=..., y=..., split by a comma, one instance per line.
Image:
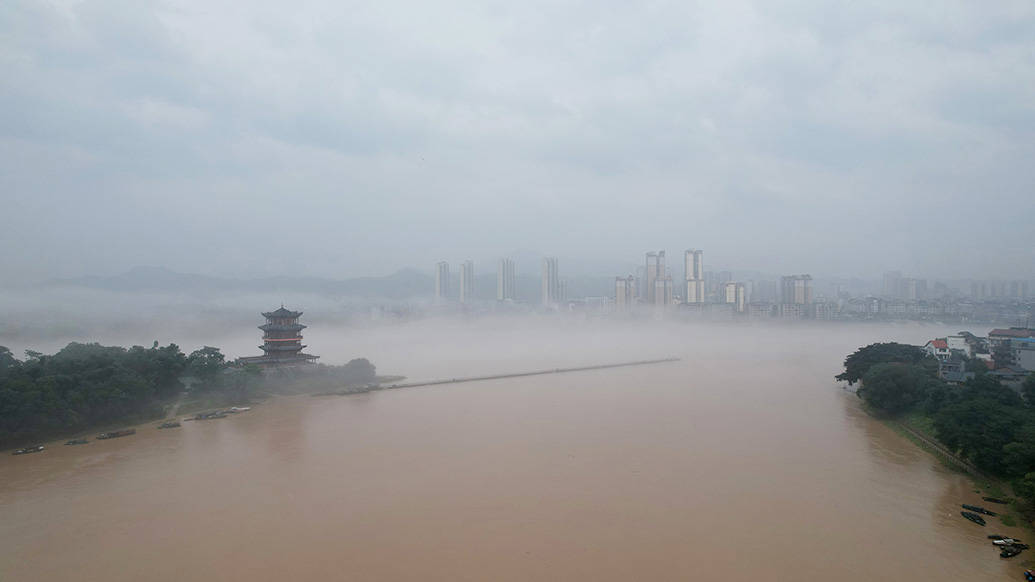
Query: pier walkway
x=502, y=376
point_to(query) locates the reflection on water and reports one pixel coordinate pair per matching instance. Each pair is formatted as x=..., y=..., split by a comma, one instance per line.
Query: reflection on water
x=742, y=462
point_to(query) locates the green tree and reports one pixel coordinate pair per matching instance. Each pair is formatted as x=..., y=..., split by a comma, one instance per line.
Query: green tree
x=858, y=363
x=980, y=429
x=205, y=364
x=1028, y=390
x=358, y=371
x=1019, y=455
x=895, y=387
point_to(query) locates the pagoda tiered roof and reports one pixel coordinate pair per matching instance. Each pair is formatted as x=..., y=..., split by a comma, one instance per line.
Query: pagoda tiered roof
x=282, y=312
x=287, y=348
x=282, y=327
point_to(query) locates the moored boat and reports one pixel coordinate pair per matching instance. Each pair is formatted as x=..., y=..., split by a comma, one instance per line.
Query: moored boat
x=995, y=500
x=170, y=424
x=977, y=509
x=27, y=450
x=1009, y=552
x=77, y=442
x=973, y=517
x=236, y=409
x=117, y=433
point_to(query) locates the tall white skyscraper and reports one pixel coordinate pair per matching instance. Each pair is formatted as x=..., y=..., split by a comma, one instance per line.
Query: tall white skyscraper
x=735, y=294
x=505, y=280
x=441, y=282
x=655, y=269
x=663, y=291
x=466, y=281
x=625, y=293
x=551, y=282
x=693, y=268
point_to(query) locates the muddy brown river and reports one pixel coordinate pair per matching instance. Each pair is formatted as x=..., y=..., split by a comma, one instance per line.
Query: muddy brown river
x=743, y=461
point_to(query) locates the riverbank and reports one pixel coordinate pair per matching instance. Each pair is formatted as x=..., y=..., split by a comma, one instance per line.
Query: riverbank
x=919, y=429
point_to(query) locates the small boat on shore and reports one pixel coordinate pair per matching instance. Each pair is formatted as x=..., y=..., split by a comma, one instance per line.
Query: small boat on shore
x=977, y=509
x=996, y=537
x=973, y=517
x=117, y=433
x=27, y=450
x=209, y=415
x=1005, y=542
x=77, y=442
x=995, y=500
x=1009, y=552
x=170, y=424
x=236, y=409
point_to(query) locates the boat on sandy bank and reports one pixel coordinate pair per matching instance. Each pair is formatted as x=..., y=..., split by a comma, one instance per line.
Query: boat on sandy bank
x=27, y=450
x=973, y=517
x=209, y=415
x=977, y=509
x=1009, y=552
x=117, y=433
x=77, y=442
x=995, y=500
x=236, y=409
x=170, y=424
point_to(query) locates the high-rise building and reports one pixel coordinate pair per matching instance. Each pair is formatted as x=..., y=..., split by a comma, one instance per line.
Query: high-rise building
x=505, y=280
x=693, y=269
x=551, y=282
x=466, y=281
x=735, y=294
x=655, y=269
x=663, y=291
x=892, y=283
x=441, y=282
x=625, y=293
x=796, y=290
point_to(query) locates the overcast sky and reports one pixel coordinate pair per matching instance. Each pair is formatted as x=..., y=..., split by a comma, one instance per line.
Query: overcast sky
x=342, y=139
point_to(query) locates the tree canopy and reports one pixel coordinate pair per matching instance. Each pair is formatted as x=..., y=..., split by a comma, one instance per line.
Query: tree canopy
x=858, y=363
x=81, y=385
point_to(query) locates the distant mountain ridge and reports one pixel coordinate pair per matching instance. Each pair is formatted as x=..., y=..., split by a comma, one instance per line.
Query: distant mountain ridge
x=403, y=284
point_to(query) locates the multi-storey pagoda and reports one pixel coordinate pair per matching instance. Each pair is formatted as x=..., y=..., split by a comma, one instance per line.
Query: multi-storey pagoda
x=281, y=340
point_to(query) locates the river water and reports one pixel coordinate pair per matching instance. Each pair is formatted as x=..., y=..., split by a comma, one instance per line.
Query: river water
x=743, y=461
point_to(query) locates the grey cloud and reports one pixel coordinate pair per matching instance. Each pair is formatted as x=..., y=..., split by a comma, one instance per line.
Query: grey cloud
x=395, y=134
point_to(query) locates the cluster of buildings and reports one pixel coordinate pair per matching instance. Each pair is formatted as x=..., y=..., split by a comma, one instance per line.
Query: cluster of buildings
x=655, y=288
x=712, y=293
x=1008, y=353
x=554, y=290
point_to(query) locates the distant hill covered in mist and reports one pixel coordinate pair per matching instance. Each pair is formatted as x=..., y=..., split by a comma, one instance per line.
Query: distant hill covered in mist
x=404, y=284
x=401, y=285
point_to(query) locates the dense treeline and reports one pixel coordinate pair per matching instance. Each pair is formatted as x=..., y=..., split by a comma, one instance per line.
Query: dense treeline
x=83, y=385
x=87, y=385
x=991, y=425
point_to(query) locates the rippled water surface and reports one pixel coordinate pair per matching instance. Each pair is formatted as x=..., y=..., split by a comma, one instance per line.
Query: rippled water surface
x=743, y=461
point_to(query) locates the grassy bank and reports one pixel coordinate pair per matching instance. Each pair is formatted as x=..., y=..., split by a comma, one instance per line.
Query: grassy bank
x=914, y=422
